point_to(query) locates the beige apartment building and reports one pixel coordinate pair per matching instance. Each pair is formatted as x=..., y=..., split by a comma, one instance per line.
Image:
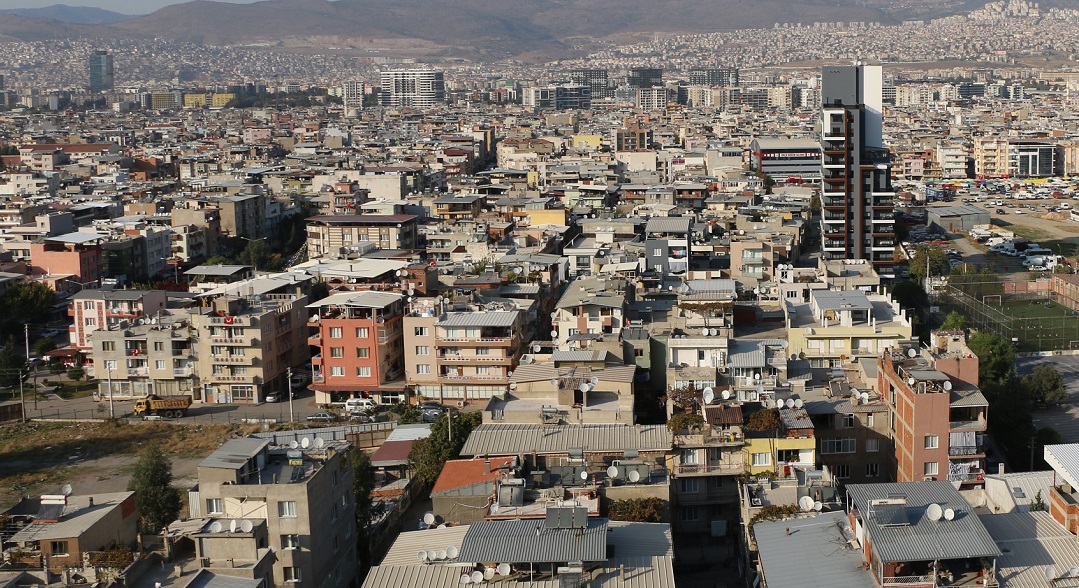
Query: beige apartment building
x=834, y=326
x=132, y=360
x=330, y=235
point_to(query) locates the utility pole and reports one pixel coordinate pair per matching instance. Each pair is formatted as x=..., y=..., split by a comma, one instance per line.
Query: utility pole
x=291, y=414
x=22, y=397
x=449, y=426
x=112, y=407
x=26, y=331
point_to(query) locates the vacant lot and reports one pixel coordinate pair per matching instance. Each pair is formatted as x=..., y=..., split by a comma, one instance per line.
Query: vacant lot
x=38, y=457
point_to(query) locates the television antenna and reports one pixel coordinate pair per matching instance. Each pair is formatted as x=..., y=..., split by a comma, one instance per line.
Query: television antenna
x=215, y=527
x=612, y=472
x=293, y=444
x=429, y=518
x=634, y=476
x=912, y=352
x=798, y=403
x=817, y=505
x=466, y=579
x=725, y=395
x=66, y=490
x=452, y=551
x=584, y=475
x=948, y=385
x=422, y=556
x=806, y=503
x=477, y=577
x=233, y=526
x=789, y=403
x=503, y=569
x=320, y=442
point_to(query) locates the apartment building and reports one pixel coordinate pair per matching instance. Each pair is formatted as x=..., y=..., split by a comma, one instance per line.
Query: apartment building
x=360, y=346
x=851, y=422
x=298, y=503
x=836, y=325
x=77, y=257
x=133, y=360
x=1002, y=157
x=108, y=309
x=590, y=309
x=790, y=447
x=458, y=207
x=556, y=393
x=332, y=234
x=413, y=88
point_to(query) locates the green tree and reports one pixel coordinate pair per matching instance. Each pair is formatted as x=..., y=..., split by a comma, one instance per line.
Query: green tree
x=406, y=413
x=684, y=421
x=995, y=356
x=155, y=498
x=1045, y=385
x=641, y=510
x=974, y=282
x=12, y=367
x=76, y=374
x=1038, y=504
x=258, y=255
x=766, y=421
x=955, y=321
x=363, y=483
x=24, y=301
x=932, y=255
x=910, y=294
x=428, y=455
x=43, y=346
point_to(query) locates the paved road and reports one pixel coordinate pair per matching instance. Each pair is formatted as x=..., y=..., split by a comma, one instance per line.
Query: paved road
x=1065, y=418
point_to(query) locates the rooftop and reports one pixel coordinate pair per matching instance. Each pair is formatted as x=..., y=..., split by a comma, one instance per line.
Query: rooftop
x=518, y=541
x=816, y=553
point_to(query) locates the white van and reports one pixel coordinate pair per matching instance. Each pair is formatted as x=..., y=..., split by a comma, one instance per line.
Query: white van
x=358, y=404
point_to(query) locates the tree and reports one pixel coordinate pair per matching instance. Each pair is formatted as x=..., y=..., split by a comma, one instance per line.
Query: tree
x=407, y=413
x=258, y=255
x=932, y=255
x=641, y=510
x=43, y=346
x=24, y=301
x=12, y=367
x=76, y=374
x=955, y=321
x=974, y=282
x=428, y=455
x=910, y=294
x=1045, y=385
x=363, y=483
x=684, y=421
x=155, y=498
x=1038, y=504
x=995, y=356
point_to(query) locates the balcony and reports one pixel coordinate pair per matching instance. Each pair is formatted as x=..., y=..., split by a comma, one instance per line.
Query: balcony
x=965, y=450
x=232, y=321
x=907, y=581
x=138, y=371
x=478, y=379
x=721, y=469
x=245, y=341
x=976, y=425
x=231, y=378
x=183, y=372
x=710, y=440
x=233, y=359
x=476, y=341
x=971, y=477
x=478, y=359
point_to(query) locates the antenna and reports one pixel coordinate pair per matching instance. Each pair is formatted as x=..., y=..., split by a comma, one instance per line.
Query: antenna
x=634, y=476
x=594, y=380
x=466, y=579
x=864, y=397
x=911, y=380
x=442, y=554
x=934, y=512
x=246, y=526
x=948, y=385
x=789, y=403
x=422, y=556
x=912, y=352
x=429, y=518
x=554, y=333
x=584, y=474
x=1050, y=573
x=806, y=503
x=488, y=573
x=709, y=396
x=305, y=442
x=817, y=505
x=949, y=514
x=293, y=444
x=613, y=473
x=798, y=403
x=320, y=442
x=215, y=527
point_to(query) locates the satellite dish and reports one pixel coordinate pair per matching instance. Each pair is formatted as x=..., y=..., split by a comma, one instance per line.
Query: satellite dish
x=756, y=376
x=503, y=569
x=949, y=514
x=488, y=573
x=452, y=552
x=442, y=554
x=305, y=442
x=477, y=577
x=709, y=396
x=585, y=387
x=293, y=444
x=421, y=555
x=1050, y=573
x=246, y=526
x=725, y=394
x=789, y=403
x=429, y=518
x=233, y=526
x=215, y=527
x=536, y=348
x=934, y=512
x=554, y=333
x=948, y=385
x=66, y=490
x=612, y=472
x=806, y=503
x=466, y=579
x=864, y=397
x=818, y=505
x=1073, y=572
x=595, y=380
x=912, y=352
x=320, y=442
x=911, y=381
x=798, y=403
x=584, y=474
x=634, y=476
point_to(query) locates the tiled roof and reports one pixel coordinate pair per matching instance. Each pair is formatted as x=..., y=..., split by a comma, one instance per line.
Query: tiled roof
x=465, y=472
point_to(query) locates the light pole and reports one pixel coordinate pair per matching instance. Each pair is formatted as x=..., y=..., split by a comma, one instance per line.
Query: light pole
x=291, y=414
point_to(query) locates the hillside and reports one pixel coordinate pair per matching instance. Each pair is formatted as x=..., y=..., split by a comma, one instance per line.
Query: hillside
x=71, y=14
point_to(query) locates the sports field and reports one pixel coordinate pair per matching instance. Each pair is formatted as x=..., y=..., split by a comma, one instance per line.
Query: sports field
x=1042, y=324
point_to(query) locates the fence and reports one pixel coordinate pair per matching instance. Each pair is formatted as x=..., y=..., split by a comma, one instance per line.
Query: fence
x=210, y=414
x=1032, y=318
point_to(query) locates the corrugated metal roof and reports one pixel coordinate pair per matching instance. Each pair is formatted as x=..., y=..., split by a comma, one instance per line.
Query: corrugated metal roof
x=632, y=539
x=366, y=299
x=639, y=572
x=407, y=545
x=1030, y=542
x=668, y=224
x=746, y=354
x=1065, y=460
x=492, y=439
x=208, y=579
x=422, y=576
x=960, y=398
x=1016, y=491
x=923, y=539
x=795, y=418
x=410, y=432
x=491, y=318
x=814, y=554
x=516, y=541
x=585, y=355
x=234, y=454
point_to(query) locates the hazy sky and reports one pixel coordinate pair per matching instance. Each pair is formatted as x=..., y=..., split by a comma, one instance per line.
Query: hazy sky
x=121, y=6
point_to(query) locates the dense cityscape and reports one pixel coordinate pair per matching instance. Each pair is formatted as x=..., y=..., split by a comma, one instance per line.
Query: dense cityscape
x=786, y=307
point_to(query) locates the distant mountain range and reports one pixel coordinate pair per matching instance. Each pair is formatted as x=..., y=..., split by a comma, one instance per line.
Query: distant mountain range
x=478, y=28
x=71, y=14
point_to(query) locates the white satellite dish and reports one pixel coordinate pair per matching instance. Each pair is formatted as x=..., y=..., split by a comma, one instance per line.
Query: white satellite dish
x=305, y=442
x=536, y=348
x=949, y=514
x=806, y=503
x=584, y=474
x=488, y=573
x=911, y=381
x=912, y=352
x=798, y=403
x=320, y=442
x=503, y=569
x=246, y=526
x=452, y=552
x=789, y=403
x=232, y=526
x=442, y=554
x=421, y=555
x=864, y=397
x=293, y=444
x=948, y=385
x=215, y=527
x=1050, y=573
x=756, y=376
x=66, y=490
x=429, y=518
x=817, y=505
x=612, y=472
x=709, y=396
x=726, y=394
x=594, y=381
x=585, y=387
x=554, y=333
x=634, y=476
x=466, y=579
x=934, y=512
x=477, y=577
x=1074, y=572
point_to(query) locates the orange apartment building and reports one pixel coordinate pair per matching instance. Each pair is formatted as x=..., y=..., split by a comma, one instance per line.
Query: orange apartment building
x=938, y=415
x=100, y=309
x=78, y=256
x=359, y=341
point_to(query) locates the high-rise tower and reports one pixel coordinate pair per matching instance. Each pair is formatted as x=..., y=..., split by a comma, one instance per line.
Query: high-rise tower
x=413, y=88
x=857, y=216
x=102, y=78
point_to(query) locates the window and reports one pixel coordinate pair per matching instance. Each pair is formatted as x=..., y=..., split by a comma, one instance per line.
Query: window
x=337, y=351
x=335, y=332
x=337, y=370
x=690, y=485
x=657, y=253
x=872, y=470
x=159, y=346
x=159, y=364
x=483, y=351
x=58, y=547
x=423, y=350
x=869, y=420
x=932, y=442
x=421, y=332
x=214, y=506
x=930, y=468
x=108, y=346
x=762, y=459
x=843, y=445
x=90, y=322
x=689, y=457
x=363, y=372
x=689, y=513
x=483, y=370
x=362, y=332
x=336, y=548
x=872, y=445
x=841, y=471
x=291, y=574
x=286, y=508
x=363, y=352
x=423, y=368
x=344, y=501
x=110, y=364
x=290, y=542
x=848, y=421
x=333, y=480
x=333, y=514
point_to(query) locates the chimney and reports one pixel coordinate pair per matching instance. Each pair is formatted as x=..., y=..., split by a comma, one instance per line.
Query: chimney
x=487, y=465
x=1000, y=469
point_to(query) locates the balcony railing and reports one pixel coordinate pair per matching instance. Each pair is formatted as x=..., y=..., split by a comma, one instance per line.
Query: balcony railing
x=965, y=450
x=705, y=470
x=976, y=476
x=966, y=425
x=907, y=581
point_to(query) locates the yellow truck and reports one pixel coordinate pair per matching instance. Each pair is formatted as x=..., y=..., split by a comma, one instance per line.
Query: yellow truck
x=166, y=406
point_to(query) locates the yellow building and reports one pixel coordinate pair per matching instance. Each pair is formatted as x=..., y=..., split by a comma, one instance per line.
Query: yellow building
x=194, y=100
x=587, y=141
x=547, y=216
x=835, y=326
x=783, y=450
x=221, y=99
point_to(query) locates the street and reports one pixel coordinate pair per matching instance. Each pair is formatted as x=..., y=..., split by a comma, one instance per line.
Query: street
x=1064, y=418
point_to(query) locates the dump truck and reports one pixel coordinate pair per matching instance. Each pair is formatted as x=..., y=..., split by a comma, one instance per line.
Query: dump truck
x=166, y=406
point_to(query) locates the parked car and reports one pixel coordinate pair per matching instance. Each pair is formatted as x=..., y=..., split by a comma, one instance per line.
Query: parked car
x=430, y=414
x=431, y=404
x=321, y=417
x=274, y=397
x=300, y=379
